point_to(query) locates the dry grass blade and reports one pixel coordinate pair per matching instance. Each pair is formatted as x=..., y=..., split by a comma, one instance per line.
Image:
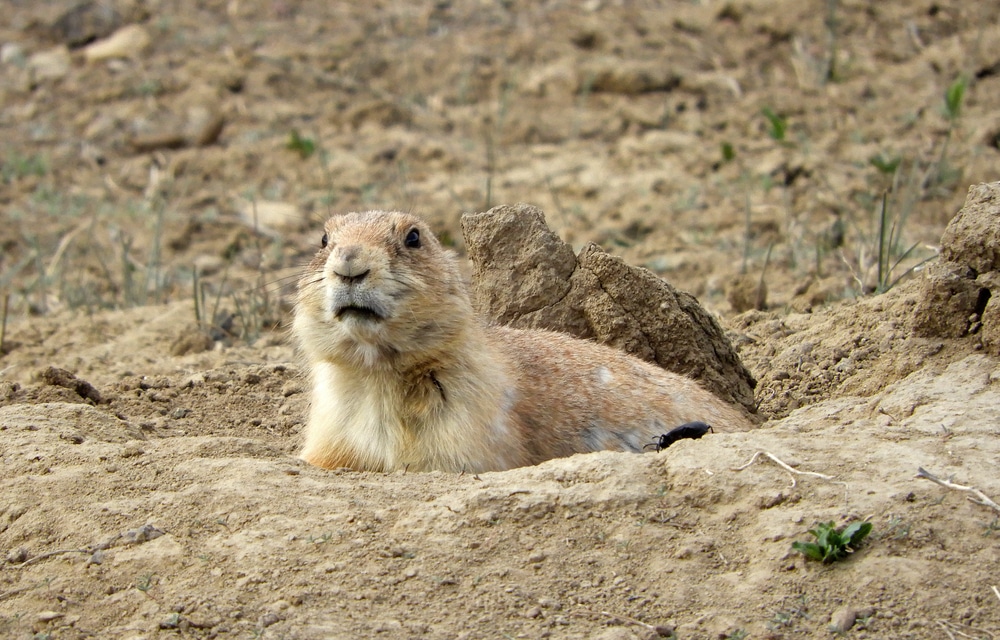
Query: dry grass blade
x=3, y=322
x=955, y=631
x=64, y=243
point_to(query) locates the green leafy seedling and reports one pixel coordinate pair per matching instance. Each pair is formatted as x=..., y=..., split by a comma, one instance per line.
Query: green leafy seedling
x=728, y=153
x=953, y=97
x=776, y=124
x=885, y=163
x=832, y=544
x=304, y=146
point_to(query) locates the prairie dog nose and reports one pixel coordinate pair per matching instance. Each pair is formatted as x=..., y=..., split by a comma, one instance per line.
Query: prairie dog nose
x=349, y=264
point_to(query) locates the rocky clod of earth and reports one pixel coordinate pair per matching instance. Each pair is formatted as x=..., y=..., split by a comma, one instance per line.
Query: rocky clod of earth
x=524, y=276
x=957, y=294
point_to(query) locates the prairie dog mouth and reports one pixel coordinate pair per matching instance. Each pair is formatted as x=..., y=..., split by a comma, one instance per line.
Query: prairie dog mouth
x=358, y=312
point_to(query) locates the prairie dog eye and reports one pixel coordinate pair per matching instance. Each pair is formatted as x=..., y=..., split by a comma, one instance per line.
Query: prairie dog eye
x=412, y=239
x=325, y=240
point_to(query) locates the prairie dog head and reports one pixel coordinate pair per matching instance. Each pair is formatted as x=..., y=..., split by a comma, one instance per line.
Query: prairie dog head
x=381, y=289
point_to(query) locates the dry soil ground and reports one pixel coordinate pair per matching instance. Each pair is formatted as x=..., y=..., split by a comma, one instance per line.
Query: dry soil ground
x=163, y=497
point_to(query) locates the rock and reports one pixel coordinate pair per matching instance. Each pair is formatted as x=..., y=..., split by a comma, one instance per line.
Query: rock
x=381, y=113
x=201, y=128
x=86, y=22
x=844, y=618
x=270, y=214
x=972, y=238
x=127, y=42
x=17, y=556
x=524, y=276
x=818, y=293
x=614, y=75
x=191, y=341
x=521, y=269
x=51, y=64
x=145, y=143
x=11, y=53
x=957, y=294
x=557, y=79
x=62, y=378
x=948, y=296
x=49, y=616
x=205, y=126
x=745, y=292
x=145, y=533
x=269, y=619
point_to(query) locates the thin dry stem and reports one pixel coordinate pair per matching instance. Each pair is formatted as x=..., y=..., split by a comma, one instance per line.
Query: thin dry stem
x=64, y=243
x=14, y=592
x=959, y=633
x=786, y=467
x=49, y=554
x=58, y=552
x=3, y=321
x=617, y=616
x=977, y=496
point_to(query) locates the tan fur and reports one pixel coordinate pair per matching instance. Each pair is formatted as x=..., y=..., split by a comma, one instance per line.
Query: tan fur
x=426, y=385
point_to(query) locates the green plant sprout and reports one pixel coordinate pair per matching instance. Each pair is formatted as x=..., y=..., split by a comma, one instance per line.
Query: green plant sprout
x=728, y=153
x=953, y=98
x=832, y=544
x=305, y=147
x=777, y=125
x=939, y=172
x=888, y=239
x=885, y=163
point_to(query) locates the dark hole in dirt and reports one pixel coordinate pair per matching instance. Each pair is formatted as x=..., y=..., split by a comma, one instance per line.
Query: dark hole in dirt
x=984, y=297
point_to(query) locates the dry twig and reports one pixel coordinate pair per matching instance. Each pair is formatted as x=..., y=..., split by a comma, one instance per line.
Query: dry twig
x=980, y=497
x=145, y=533
x=786, y=467
x=616, y=616
x=959, y=633
x=49, y=554
x=14, y=592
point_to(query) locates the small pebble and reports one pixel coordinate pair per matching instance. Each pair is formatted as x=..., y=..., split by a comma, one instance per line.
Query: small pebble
x=268, y=619
x=17, y=556
x=170, y=622
x=844, y=618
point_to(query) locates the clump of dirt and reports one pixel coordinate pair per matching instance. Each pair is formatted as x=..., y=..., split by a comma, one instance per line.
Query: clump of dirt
x=957, y=297
x=525, y=277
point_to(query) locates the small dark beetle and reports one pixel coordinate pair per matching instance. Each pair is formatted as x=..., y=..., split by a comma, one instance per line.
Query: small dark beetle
x=693, y=430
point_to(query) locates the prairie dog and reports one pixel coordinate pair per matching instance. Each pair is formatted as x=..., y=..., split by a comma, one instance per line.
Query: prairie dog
x=404, y=375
